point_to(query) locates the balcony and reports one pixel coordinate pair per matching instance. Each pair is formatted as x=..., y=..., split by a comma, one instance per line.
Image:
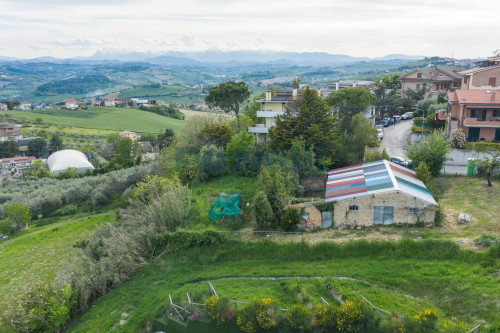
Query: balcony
x=268, y=114
x=259, y=128
x=475, y=122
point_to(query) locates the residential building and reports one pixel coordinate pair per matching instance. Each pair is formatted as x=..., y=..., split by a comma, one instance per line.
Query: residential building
x=438, y=80
x=24, y=106
x=161, y=103
x=110, y=102
x=17, y=162
x=4, y=107
x=485, y=76
x=70, y=104
x=271, y=107
x=342, y=84
x=476, y=112
x=378, y=193
x=139, y=101
x=8, y=131
x=128, y=134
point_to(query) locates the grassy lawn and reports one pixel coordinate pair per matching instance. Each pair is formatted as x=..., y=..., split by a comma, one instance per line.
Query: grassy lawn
x=40, y=252
x=102, y=118
x=398, y=279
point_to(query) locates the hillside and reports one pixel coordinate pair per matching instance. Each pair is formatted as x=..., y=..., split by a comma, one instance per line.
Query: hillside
x=117, y=119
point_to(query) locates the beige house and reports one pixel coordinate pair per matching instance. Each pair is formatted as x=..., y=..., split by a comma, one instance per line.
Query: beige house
x=437, y=79
x=270, y=108
x=131, y=135
x=3, y=107
x=378, y=193
x=482, y=77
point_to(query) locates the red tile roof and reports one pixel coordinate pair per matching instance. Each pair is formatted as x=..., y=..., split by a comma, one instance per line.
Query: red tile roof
x=478, y=96
x=452, y=96
x=478, y=69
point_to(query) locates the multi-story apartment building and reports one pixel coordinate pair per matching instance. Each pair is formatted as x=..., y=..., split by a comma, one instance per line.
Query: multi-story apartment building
x=8, y=131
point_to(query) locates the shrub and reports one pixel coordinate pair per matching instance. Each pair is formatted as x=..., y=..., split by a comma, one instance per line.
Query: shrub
x=372, y=155
x=486, y=240
x=483, y=146
x=66, y=210
x=290, y=219
x=260, y=314
x=298, y=318
x=212, y=161
x=326, y=316
x=262, y=211
x=458, y=138
x=219, y=310
x=6, y=228
x=425, y=321
x=350, y=317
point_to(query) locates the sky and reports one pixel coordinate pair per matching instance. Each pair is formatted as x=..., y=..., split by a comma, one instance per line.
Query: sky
x=362, y=28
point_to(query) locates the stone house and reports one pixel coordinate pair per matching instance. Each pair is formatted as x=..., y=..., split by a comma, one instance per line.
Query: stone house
x=378, y=193
x=128, y=134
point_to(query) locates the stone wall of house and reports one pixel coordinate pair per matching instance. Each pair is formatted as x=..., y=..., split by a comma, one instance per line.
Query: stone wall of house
x=364, y=216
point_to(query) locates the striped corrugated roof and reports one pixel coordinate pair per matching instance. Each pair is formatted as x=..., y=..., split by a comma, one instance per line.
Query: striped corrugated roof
x=374, y=177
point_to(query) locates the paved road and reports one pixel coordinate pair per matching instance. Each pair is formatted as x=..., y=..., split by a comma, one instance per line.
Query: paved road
x=396, y=137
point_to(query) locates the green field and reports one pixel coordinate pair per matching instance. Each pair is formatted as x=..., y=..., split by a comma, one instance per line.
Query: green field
x=402, y=278
x=168, y=94
x=40, y=252
x=116, y=119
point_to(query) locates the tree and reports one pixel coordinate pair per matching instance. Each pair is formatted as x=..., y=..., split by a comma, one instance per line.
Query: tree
x=425, y=104
x=228, y=96
x=349, y=102
x=37, y=148
x=239, y=152
x=8, y=148
x=215, y=134
x=432, y=150
x=262, y=211
x=151, y=138
x=212, y=161
x=166, y=139
x=372, y=155
x=308, y=117
x=489, y=163
x=55, y=143
x=417, y=95
x=127, y=151
x=18, y=214
x=353, y=146
x=386, y=93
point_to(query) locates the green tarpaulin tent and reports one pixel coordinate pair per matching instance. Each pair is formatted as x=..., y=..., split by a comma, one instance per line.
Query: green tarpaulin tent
x=225, y=205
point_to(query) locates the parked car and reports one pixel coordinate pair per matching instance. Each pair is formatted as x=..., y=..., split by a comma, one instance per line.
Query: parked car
x=401, y=161
x=407, y=115
x=386, y=122
x=380, y=133
x=379, y=127
x=397, y=118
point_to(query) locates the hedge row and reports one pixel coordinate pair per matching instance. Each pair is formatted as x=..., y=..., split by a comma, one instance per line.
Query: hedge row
x=483, y=146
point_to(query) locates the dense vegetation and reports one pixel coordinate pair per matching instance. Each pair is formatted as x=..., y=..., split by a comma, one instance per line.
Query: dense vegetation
x=46, y=195
x=165, y=110
x=75, y=85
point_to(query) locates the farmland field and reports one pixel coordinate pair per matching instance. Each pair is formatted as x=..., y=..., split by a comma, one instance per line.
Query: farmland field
x=39, y=253
x=116, y=119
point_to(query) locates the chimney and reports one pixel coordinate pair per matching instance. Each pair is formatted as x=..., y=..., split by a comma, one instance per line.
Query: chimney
x=294, y=93
x=268, y=95
x=337, y=86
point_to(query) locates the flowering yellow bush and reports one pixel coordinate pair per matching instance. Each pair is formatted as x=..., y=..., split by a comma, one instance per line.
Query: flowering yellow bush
x=349, y=316
x=426, y=320
x=325, y=316
x=453, y=325
x=298, y=318
x=261, y=313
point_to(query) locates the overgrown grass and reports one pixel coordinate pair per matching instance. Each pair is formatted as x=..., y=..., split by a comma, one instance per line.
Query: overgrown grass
x=117, y=119
x=40, y=252
x=438, y=275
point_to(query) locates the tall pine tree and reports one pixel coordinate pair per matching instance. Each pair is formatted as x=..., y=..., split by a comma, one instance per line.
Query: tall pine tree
x=308, y=117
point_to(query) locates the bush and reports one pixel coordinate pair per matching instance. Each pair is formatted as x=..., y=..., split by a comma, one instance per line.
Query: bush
x=483, y=146
x=262, y=211
x=66, y=210
x=458, y=138
x=486, y=240
x=298, y=318
x=212, y=161
x=425, y=321
x=260, y=314
x=290, y=219
x=6, y=228
x=372, y=155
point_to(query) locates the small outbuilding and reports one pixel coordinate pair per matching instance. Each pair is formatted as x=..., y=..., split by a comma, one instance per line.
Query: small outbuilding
x=62, y=160
x=378, y=193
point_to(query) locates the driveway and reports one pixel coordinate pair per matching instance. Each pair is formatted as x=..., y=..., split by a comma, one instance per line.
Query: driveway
x=396, y=137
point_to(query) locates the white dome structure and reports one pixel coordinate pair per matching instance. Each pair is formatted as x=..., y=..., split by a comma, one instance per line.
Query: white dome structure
x=62, y=160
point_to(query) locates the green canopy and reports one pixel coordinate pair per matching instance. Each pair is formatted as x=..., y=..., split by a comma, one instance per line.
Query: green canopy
x=225, y=205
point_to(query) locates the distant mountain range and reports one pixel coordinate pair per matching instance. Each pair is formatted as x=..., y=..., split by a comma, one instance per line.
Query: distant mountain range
x=218, y=58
